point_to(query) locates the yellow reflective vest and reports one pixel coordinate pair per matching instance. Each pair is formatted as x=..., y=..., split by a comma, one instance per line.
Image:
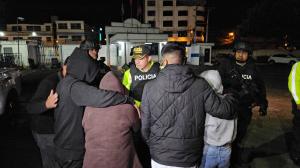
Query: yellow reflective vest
x=294, y=82
x=134, y=80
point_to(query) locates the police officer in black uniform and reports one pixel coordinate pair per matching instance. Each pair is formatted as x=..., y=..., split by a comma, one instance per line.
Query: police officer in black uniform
x=240, y=74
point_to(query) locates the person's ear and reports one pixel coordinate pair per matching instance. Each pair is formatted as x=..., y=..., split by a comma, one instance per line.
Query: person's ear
x=163, y=63
x=166, y=62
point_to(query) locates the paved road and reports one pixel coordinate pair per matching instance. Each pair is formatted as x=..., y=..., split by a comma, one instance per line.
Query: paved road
x=268, y=136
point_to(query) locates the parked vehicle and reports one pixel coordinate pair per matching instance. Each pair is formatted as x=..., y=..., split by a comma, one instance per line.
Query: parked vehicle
x=10, y=89
x=283, y=58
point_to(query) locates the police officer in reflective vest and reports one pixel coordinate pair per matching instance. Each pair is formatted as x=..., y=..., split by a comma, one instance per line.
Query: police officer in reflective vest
x=294, y=88
x=240, y=74
x=143, y=70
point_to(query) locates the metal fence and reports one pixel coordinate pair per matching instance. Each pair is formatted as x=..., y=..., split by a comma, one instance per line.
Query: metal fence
x=10, y=59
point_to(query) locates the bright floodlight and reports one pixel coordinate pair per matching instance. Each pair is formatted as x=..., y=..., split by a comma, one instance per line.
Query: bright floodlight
x=34, y=34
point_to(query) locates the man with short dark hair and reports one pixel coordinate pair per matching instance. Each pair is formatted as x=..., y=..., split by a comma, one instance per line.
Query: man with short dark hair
x=173, y=112
x=42, y=107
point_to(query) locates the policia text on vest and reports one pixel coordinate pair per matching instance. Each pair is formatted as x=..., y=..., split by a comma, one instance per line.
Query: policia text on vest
x=144, y=77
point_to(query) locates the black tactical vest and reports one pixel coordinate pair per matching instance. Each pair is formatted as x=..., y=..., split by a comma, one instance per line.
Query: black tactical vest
x=140, y=78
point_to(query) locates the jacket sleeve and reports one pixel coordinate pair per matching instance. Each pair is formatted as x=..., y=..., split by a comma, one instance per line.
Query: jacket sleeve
x=85, y=95
x=294, y=82
x=133, y=117
x=145, y=115
x=37, y=104
x=220, y=107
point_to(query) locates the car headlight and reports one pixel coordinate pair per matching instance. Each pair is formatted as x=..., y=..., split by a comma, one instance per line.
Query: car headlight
x=3, y=76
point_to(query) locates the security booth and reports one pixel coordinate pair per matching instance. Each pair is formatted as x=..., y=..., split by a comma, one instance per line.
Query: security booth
x=121, y=37
x=200, y=54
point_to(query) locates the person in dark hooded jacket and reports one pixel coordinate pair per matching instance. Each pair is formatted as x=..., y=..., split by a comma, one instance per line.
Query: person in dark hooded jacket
x=173, y=112
x=75, y=92
x=41, y=106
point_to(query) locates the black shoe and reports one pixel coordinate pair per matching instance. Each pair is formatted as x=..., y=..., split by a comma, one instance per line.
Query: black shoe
x=295, y=159
x=241, y=165
x=246, y=155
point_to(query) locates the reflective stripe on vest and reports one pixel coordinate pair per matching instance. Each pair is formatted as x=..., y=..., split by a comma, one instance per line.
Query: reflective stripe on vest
x=294, y=82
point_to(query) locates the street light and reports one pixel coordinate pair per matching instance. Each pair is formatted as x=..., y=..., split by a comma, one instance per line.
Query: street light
x=21, y=19
x=33, y=34
x=100, y=34
x=2, y=34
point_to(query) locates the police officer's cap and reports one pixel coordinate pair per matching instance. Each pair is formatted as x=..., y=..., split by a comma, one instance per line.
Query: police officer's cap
x=139, y=52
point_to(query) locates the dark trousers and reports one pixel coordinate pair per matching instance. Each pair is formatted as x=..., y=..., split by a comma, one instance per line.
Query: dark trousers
x=46, y=146
x=244, y=119
x=295, y=141
x=69, y=163
x=142, y=150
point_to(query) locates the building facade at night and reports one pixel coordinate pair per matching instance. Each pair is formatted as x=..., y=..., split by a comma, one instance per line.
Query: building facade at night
x=61, y=32
x=182, y=23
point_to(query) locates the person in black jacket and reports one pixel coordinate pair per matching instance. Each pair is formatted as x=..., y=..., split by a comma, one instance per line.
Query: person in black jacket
x=239, y=73
x=75, y=92
x=173, y=112
x=42, y=107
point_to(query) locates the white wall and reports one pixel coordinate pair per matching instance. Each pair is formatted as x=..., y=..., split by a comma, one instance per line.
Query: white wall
x=113, y=53
x=22, y=50
x=66, y=50
x=197, y=52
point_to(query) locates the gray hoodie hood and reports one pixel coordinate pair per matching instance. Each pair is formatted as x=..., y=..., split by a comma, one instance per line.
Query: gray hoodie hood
x=214, y=80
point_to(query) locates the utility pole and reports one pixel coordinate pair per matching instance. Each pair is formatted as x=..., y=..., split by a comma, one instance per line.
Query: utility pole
x=207, y=21
x=195, y=29
x=18, y=36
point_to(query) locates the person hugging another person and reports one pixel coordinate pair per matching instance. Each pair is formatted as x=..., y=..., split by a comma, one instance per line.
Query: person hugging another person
x=108, y=131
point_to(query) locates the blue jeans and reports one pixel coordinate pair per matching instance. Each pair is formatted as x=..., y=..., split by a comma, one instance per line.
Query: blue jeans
x=216, y=156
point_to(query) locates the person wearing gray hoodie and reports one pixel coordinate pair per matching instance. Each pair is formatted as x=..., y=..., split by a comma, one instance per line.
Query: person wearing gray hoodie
x=219, y=133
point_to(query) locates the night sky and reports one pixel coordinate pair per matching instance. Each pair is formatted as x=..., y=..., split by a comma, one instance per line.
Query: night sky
x=225, y=15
